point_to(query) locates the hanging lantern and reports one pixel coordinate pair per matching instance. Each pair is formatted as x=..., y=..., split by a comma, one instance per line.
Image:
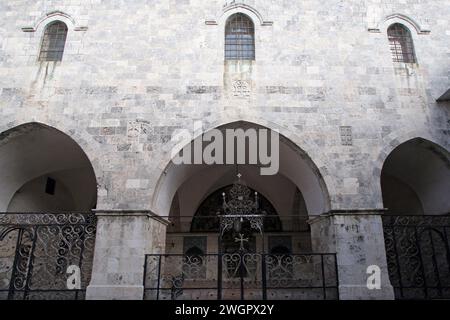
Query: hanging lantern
x=240, y=207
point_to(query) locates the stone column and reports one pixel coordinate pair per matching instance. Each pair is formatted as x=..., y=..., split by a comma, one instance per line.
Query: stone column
x=357, y=238
x=123, y=238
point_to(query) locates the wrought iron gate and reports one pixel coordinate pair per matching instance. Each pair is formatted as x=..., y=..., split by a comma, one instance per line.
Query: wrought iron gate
x=241, y=276
x=36, y=251
x=418, y=256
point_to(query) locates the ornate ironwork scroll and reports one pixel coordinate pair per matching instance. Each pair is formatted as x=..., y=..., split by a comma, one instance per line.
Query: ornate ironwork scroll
x=240, y=207
x=206, y=218
x=36, y=250
x=180, y=277
x=418, y=256
x=241, y=275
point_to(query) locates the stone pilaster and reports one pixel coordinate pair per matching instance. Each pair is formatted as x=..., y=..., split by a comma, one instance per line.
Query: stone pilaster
x=357, y=238
x=123, y=238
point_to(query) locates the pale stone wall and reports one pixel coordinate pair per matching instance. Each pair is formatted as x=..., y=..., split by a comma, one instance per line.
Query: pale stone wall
x=134, y=72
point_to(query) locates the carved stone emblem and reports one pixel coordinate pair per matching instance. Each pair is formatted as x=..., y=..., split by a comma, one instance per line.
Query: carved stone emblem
x=241, y=88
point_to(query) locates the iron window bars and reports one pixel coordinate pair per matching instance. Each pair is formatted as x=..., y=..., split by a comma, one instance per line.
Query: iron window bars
x=53, y=42
x=401, y=44
x=239, y=38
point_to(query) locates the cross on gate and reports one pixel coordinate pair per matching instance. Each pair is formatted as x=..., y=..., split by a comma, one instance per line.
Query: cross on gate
x=241, y=239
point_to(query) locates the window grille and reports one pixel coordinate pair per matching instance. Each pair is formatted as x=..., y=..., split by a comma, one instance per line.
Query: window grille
x=53, y=42
x=401, y=44
x=239, y=38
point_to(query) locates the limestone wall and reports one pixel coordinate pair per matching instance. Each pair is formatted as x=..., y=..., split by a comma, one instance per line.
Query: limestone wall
x=134, y=71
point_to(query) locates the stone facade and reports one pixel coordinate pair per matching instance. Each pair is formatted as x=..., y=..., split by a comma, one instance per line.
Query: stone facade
x=134, y=72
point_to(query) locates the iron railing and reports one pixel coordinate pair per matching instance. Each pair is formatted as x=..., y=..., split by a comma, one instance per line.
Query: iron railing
x=242, y=276
x=36, y=251
x=418, y=255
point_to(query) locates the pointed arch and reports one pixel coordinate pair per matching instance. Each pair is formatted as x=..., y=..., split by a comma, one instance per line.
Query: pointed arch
x=415, y=178
x=295, y=165
x=51, y=16
x=233, y=8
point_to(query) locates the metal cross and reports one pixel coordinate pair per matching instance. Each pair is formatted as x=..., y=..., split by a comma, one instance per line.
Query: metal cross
x=241, y=239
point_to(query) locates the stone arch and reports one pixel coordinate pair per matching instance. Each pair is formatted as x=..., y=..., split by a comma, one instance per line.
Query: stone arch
x=415, y=178
x=164, y=194
x=34, y=154
x=40, y=24
x=395, y=139
x=389, y=143
x=233, y=8
x=305, y=140
x=68, y=127
x=391, y=19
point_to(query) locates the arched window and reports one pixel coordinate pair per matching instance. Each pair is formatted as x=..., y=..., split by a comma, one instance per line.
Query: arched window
x=53, y=42
x=239, y=38
x=401, y=43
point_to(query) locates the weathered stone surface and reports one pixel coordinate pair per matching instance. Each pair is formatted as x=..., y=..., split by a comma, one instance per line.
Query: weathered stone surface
x=169, y=71
x=122, y=241
x=358, y=241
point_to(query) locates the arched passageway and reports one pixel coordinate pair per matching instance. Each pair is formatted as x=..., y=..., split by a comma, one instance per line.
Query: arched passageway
x=200, y=250
x=296, y=190
x=416, y=179
x=415, y=184
x=44, y=170
x=47, y=230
